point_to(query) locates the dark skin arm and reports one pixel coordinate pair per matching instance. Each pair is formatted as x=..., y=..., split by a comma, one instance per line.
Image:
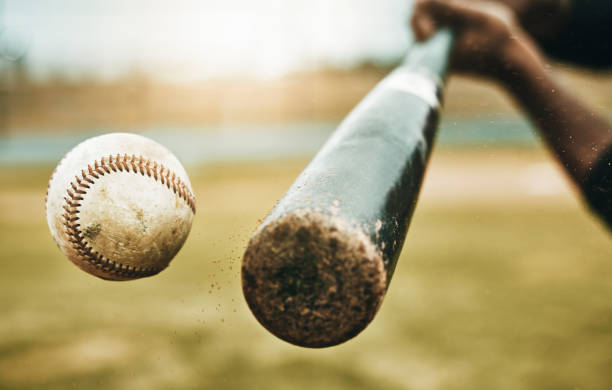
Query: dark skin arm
x=578, y=136
x=489, y=42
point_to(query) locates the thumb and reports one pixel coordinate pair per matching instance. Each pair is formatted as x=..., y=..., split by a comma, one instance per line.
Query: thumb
x=422, y=22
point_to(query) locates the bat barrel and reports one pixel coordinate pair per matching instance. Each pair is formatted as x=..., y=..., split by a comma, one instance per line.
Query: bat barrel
x=315, y=272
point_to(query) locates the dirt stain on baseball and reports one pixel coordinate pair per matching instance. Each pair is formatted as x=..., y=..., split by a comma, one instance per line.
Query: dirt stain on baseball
x=92, y=231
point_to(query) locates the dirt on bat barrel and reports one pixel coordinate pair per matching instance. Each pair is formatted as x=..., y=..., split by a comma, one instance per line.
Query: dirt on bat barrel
x=312, y=279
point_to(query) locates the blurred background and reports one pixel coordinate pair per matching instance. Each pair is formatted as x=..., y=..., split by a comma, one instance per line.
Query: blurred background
x=505, y=277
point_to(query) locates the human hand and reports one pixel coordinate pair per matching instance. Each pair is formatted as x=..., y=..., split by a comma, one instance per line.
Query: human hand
x=488, y=42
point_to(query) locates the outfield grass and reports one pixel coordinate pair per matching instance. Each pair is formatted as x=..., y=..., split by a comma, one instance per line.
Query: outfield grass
x=495, y=289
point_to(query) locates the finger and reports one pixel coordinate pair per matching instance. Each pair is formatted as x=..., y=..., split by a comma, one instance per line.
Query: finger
x=452, y=13
x=458, y=13
x=428, y=15
x=423, y=25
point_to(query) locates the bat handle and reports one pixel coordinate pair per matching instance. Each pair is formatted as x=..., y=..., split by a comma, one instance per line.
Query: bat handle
x=423, y=70
x=431, y=57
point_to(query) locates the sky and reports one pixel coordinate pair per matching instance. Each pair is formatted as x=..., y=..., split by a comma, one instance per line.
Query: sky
x=186, y=40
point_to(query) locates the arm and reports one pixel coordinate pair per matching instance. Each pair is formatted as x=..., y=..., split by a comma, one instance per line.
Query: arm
x=491, y=44
x=579, y=138
x=577, y=135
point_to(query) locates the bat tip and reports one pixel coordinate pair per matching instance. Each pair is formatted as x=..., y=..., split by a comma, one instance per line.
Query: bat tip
x=313, y=280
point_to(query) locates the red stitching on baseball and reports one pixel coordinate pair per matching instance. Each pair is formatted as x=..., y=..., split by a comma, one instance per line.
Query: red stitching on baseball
x=79, y=187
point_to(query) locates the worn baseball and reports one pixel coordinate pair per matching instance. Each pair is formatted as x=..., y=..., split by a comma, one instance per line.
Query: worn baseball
x=120, y=206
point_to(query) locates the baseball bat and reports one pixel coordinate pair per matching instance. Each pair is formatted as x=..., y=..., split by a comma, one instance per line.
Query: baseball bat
x=316, y=270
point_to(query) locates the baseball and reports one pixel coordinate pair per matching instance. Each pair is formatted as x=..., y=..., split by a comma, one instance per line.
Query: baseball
x=120, y=206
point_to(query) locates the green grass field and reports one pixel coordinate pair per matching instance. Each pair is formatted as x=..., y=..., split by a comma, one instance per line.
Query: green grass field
x=497, y=288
